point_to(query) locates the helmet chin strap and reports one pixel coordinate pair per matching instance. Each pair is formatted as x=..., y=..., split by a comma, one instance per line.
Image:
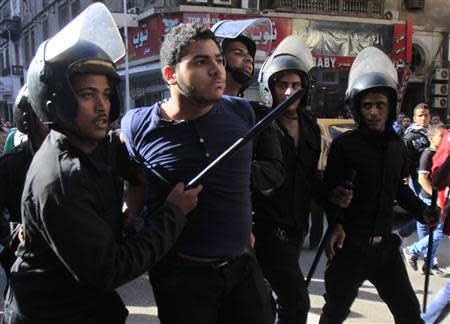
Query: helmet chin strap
x=240, y=76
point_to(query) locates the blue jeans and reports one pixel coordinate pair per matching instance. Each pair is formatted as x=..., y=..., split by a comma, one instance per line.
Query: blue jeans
x=439, y=308
x=410, y=227
x=407, y=229
x=421, y=246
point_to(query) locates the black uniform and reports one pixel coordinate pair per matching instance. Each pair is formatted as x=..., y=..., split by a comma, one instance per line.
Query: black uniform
x=267, y=166
x=74, y=255
x=280, y=215
x=13, y=170
x=370, y=251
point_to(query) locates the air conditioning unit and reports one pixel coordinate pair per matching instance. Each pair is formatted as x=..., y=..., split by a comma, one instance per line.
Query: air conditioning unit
x=133, y=10
x=391, y=14
x=439, y=89
x=222, y=2
x=440, y=75
x=439, y=102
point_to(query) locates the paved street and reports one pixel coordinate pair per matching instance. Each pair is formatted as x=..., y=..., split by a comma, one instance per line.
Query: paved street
x=368, y=308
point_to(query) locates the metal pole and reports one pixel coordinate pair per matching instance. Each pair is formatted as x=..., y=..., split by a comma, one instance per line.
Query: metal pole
x=10, y=73
x=429, y=261
x=348, y=184
x=127, y=79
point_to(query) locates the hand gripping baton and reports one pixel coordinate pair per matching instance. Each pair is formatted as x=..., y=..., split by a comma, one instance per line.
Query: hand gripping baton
x=348, y=184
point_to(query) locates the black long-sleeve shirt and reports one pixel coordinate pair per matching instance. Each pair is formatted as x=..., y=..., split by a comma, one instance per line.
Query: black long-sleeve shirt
x=267, y=165
x=74, y=252
x=289, y=204
x=13, y=169
x=380, y=162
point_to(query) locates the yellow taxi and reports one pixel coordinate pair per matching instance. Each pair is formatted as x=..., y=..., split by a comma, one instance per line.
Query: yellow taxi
x=329, y=129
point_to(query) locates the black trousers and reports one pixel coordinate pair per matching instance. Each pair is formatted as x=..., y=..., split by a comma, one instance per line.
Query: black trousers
x=278, y=251
x=109, y=309
x=208, y=293
x=383, y=266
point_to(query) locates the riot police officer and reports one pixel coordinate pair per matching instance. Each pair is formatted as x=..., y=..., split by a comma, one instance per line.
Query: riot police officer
x=361, y=246
x=280, y=214
x=74, y=255
x=239, y=51
x=13, y=169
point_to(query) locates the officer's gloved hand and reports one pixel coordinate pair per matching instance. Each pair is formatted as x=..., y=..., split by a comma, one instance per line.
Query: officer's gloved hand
x=431, y=216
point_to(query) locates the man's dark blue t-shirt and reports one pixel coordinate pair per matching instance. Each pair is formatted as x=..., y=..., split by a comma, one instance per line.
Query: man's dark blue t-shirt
x=174, y=151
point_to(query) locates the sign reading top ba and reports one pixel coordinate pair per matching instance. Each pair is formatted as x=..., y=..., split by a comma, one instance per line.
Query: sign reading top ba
x=17, y=70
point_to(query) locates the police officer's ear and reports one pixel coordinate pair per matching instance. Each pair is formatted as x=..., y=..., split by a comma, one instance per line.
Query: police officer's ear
x=169, y=74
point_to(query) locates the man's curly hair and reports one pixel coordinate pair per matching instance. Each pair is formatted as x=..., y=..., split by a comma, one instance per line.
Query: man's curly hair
x=178, y=39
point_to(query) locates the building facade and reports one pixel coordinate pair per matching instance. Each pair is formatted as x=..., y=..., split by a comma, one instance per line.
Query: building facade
x=414, y=33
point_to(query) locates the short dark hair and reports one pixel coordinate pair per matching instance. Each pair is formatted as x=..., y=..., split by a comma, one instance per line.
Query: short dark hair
x=420, y=106
x=389, y=93
x=178, y=40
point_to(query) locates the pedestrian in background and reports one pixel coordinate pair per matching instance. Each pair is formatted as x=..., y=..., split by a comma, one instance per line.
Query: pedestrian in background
x=397, y=125
x=413, y=251
x=406, y=122
x=435, y=120
x=239, y=52
x=439, y=309
x=13, y=169
x=416, y=142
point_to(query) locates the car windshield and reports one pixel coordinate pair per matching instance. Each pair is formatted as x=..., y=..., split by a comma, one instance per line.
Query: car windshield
x=335, y=130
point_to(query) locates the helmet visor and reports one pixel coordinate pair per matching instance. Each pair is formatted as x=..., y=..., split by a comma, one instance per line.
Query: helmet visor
x=85, y=28
x=369, y=60
x=259, y=30
x=294, y=48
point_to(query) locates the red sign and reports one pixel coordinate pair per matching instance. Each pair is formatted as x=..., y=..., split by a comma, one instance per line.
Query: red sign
x=146, y=39
x=402, y=45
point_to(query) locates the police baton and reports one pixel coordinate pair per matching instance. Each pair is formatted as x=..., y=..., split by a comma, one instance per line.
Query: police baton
x=429, y=260
x=348, y=184
x=251, y=134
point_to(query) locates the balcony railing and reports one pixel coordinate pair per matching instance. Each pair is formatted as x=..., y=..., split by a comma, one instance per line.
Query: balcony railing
x=10, y=28
x=362, y=8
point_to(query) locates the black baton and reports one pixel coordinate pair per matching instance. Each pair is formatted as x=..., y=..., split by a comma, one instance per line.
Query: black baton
x=429, y=253
x=348, y=184
x=251, y=134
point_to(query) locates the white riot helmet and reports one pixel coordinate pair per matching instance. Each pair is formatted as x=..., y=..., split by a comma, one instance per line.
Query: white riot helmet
x=291, y=55
x=91, y=43
x=248, y=31
x=372, y=69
